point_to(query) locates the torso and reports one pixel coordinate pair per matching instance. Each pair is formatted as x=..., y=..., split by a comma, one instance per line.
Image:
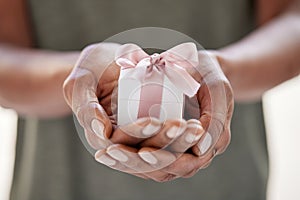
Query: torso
x=61, y=168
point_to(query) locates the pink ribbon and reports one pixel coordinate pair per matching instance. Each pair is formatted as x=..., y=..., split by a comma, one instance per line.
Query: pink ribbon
x=172, y=63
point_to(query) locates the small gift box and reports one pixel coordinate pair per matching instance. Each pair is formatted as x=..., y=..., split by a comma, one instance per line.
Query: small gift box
x=154, y=86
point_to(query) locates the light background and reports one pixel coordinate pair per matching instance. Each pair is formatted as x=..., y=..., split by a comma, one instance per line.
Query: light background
x=282, y=117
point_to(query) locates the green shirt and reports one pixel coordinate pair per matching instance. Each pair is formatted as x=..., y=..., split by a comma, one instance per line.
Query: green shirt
x=52, y=163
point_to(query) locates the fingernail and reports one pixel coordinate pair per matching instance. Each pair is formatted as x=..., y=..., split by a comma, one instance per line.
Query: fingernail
x=174, y=131
x=106, y=160
x=205, y=144
x=118, y=155
x=190, y=137
x=193, y=121
x=150, y=129
x=98, y=128
x=148, y=157
x=194, y=126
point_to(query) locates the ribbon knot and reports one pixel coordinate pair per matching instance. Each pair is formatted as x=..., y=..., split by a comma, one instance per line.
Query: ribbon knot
x=155, y=59
x=155, y=62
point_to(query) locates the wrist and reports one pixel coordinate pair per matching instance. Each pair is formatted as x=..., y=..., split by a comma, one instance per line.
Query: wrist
x=229, y=67
x=240, y=75
x=31, y=80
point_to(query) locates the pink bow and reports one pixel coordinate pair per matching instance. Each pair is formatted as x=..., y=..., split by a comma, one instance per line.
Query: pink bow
x=172, y=63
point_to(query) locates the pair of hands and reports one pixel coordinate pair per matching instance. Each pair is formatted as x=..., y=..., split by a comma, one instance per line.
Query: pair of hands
x=148, y=148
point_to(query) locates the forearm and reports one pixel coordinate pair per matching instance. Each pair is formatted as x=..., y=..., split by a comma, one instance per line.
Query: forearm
x=31, y=80
x=267, y=57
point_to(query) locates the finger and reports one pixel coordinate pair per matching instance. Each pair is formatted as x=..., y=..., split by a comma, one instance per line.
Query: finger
x=80, y=93
x=107, y=90
x=157, y=158
x=195, y=171
x=141, y=176
x=217, y=135
x=213, y=117
x=146, y=160
x=183, y=165
x=188, y=164
x=223, y=142
x=136, y=132
x=94, y=141
x=160, y=176
x=103, y=157
x=189, y=138
x=95, y=121
x=171, y=130
x=191, y=173
x=154, y=157
x=129, y=157
x=216, y=102
x=225, y=138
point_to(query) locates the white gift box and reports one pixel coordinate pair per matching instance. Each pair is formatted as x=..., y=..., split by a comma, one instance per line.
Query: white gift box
x=154, y=86
x=170, y=106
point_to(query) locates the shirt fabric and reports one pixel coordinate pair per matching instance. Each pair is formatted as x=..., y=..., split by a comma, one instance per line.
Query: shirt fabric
x=52, y=163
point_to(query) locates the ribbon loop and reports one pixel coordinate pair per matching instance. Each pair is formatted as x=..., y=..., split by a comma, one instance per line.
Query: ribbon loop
x=173, y=63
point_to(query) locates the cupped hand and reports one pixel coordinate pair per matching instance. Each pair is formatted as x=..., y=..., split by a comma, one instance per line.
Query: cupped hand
x=214, y=101
x=90, y=92
x=148, y=148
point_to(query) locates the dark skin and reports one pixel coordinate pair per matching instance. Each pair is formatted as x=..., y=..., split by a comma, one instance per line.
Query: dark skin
x=96, y=63
x=234, y=61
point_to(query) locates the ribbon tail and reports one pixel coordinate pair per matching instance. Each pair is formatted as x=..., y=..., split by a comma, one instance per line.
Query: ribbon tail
x=182, y=80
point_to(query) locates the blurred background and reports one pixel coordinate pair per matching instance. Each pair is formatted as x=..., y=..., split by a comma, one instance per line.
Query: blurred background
x=282, y=114
x=282, y=117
